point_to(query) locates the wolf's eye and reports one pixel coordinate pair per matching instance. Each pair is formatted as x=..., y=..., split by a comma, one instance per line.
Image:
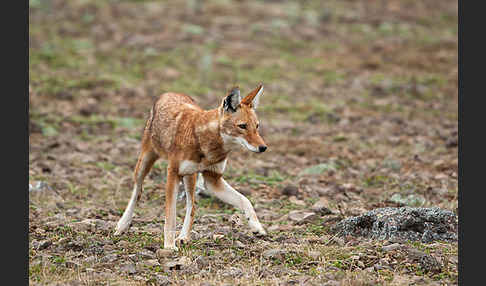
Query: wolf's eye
x=242, y=126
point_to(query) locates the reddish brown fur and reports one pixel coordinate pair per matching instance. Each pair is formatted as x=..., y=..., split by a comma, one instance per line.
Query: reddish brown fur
x=178, y=130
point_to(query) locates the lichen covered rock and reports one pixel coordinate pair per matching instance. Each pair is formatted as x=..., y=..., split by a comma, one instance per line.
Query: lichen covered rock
x=402, y=224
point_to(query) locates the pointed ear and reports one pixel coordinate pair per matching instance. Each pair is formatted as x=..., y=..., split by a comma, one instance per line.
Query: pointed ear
x=253, y=98
x=232, y=101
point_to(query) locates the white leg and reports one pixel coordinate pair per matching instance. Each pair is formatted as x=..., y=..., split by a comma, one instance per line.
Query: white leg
x=126, y=219
x=145, y=162
x=189, y=185
x=223, y=191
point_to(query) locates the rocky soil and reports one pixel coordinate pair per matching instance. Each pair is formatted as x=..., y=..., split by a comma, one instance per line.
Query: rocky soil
x=359, y=184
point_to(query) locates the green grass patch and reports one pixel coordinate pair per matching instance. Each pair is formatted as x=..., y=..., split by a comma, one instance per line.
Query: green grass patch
x=254, y=179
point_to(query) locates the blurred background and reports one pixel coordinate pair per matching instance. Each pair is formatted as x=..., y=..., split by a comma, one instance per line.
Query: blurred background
x=360, y=105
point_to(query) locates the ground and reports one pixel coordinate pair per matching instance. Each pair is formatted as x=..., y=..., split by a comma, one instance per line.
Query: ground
x=360, y=111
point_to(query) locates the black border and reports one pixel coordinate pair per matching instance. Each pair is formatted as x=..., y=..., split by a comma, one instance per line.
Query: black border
x=471, y=186
x=14, y=25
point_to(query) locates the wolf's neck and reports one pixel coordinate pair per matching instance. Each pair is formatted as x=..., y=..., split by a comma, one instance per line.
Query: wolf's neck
x=208, y=135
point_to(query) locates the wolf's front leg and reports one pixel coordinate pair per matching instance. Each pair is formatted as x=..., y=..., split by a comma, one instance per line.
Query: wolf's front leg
x=223, y=191
x=190, y=187
x=170, y=208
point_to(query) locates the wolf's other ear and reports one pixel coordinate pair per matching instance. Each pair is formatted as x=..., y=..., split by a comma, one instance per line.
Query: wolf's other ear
x=253, y=98
x=232, y=100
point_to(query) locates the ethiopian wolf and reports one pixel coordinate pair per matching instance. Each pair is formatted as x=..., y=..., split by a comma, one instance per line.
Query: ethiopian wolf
x=195, y=141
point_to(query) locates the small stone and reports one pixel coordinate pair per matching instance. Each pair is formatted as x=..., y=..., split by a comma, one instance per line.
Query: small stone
x=109, y=258
x=217, y=236
x=427, y=262
x=91, y=225
x=153, y=247
x=415, y=254
x=294, y=200
x=153, y=230
x=332, y=283
x=90, y=259
x=123, y=244
x=441, y=176
x=44, y=244
x=201, y=262
x=145, y=254
x=439, y=164
x=339, y=241
x=378, y=267
x=72, y=212
x=391, y=247
x=452, y=142
x=325, y=191
x=139, y=278
x=74, y=245
x=129, y=268
x=162, y=280
x=356, y=211
x=273, y=253
x=173, y=265
x=301, y=216
x=163, y=253
x=239, y=244
x=34, y=244
x=322, y=206
x=273, y=227
x=63, y=240
x=430, y=264
x=290, y=190
x=314, y=254
x=232, y=272
x=152, y=262
x=184, y=260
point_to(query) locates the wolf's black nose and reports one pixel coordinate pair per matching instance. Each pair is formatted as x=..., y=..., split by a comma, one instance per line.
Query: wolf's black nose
x=262, y=148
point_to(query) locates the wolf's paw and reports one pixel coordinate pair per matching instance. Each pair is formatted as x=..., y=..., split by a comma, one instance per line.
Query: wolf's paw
x=257, y=229
x=121, y=227
x=260, y=232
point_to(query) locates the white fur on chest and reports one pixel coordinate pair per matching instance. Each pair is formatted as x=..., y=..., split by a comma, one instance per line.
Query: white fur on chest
x=187, y=167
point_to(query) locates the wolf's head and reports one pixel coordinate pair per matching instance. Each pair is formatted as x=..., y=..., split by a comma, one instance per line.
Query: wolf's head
x=238, y=121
